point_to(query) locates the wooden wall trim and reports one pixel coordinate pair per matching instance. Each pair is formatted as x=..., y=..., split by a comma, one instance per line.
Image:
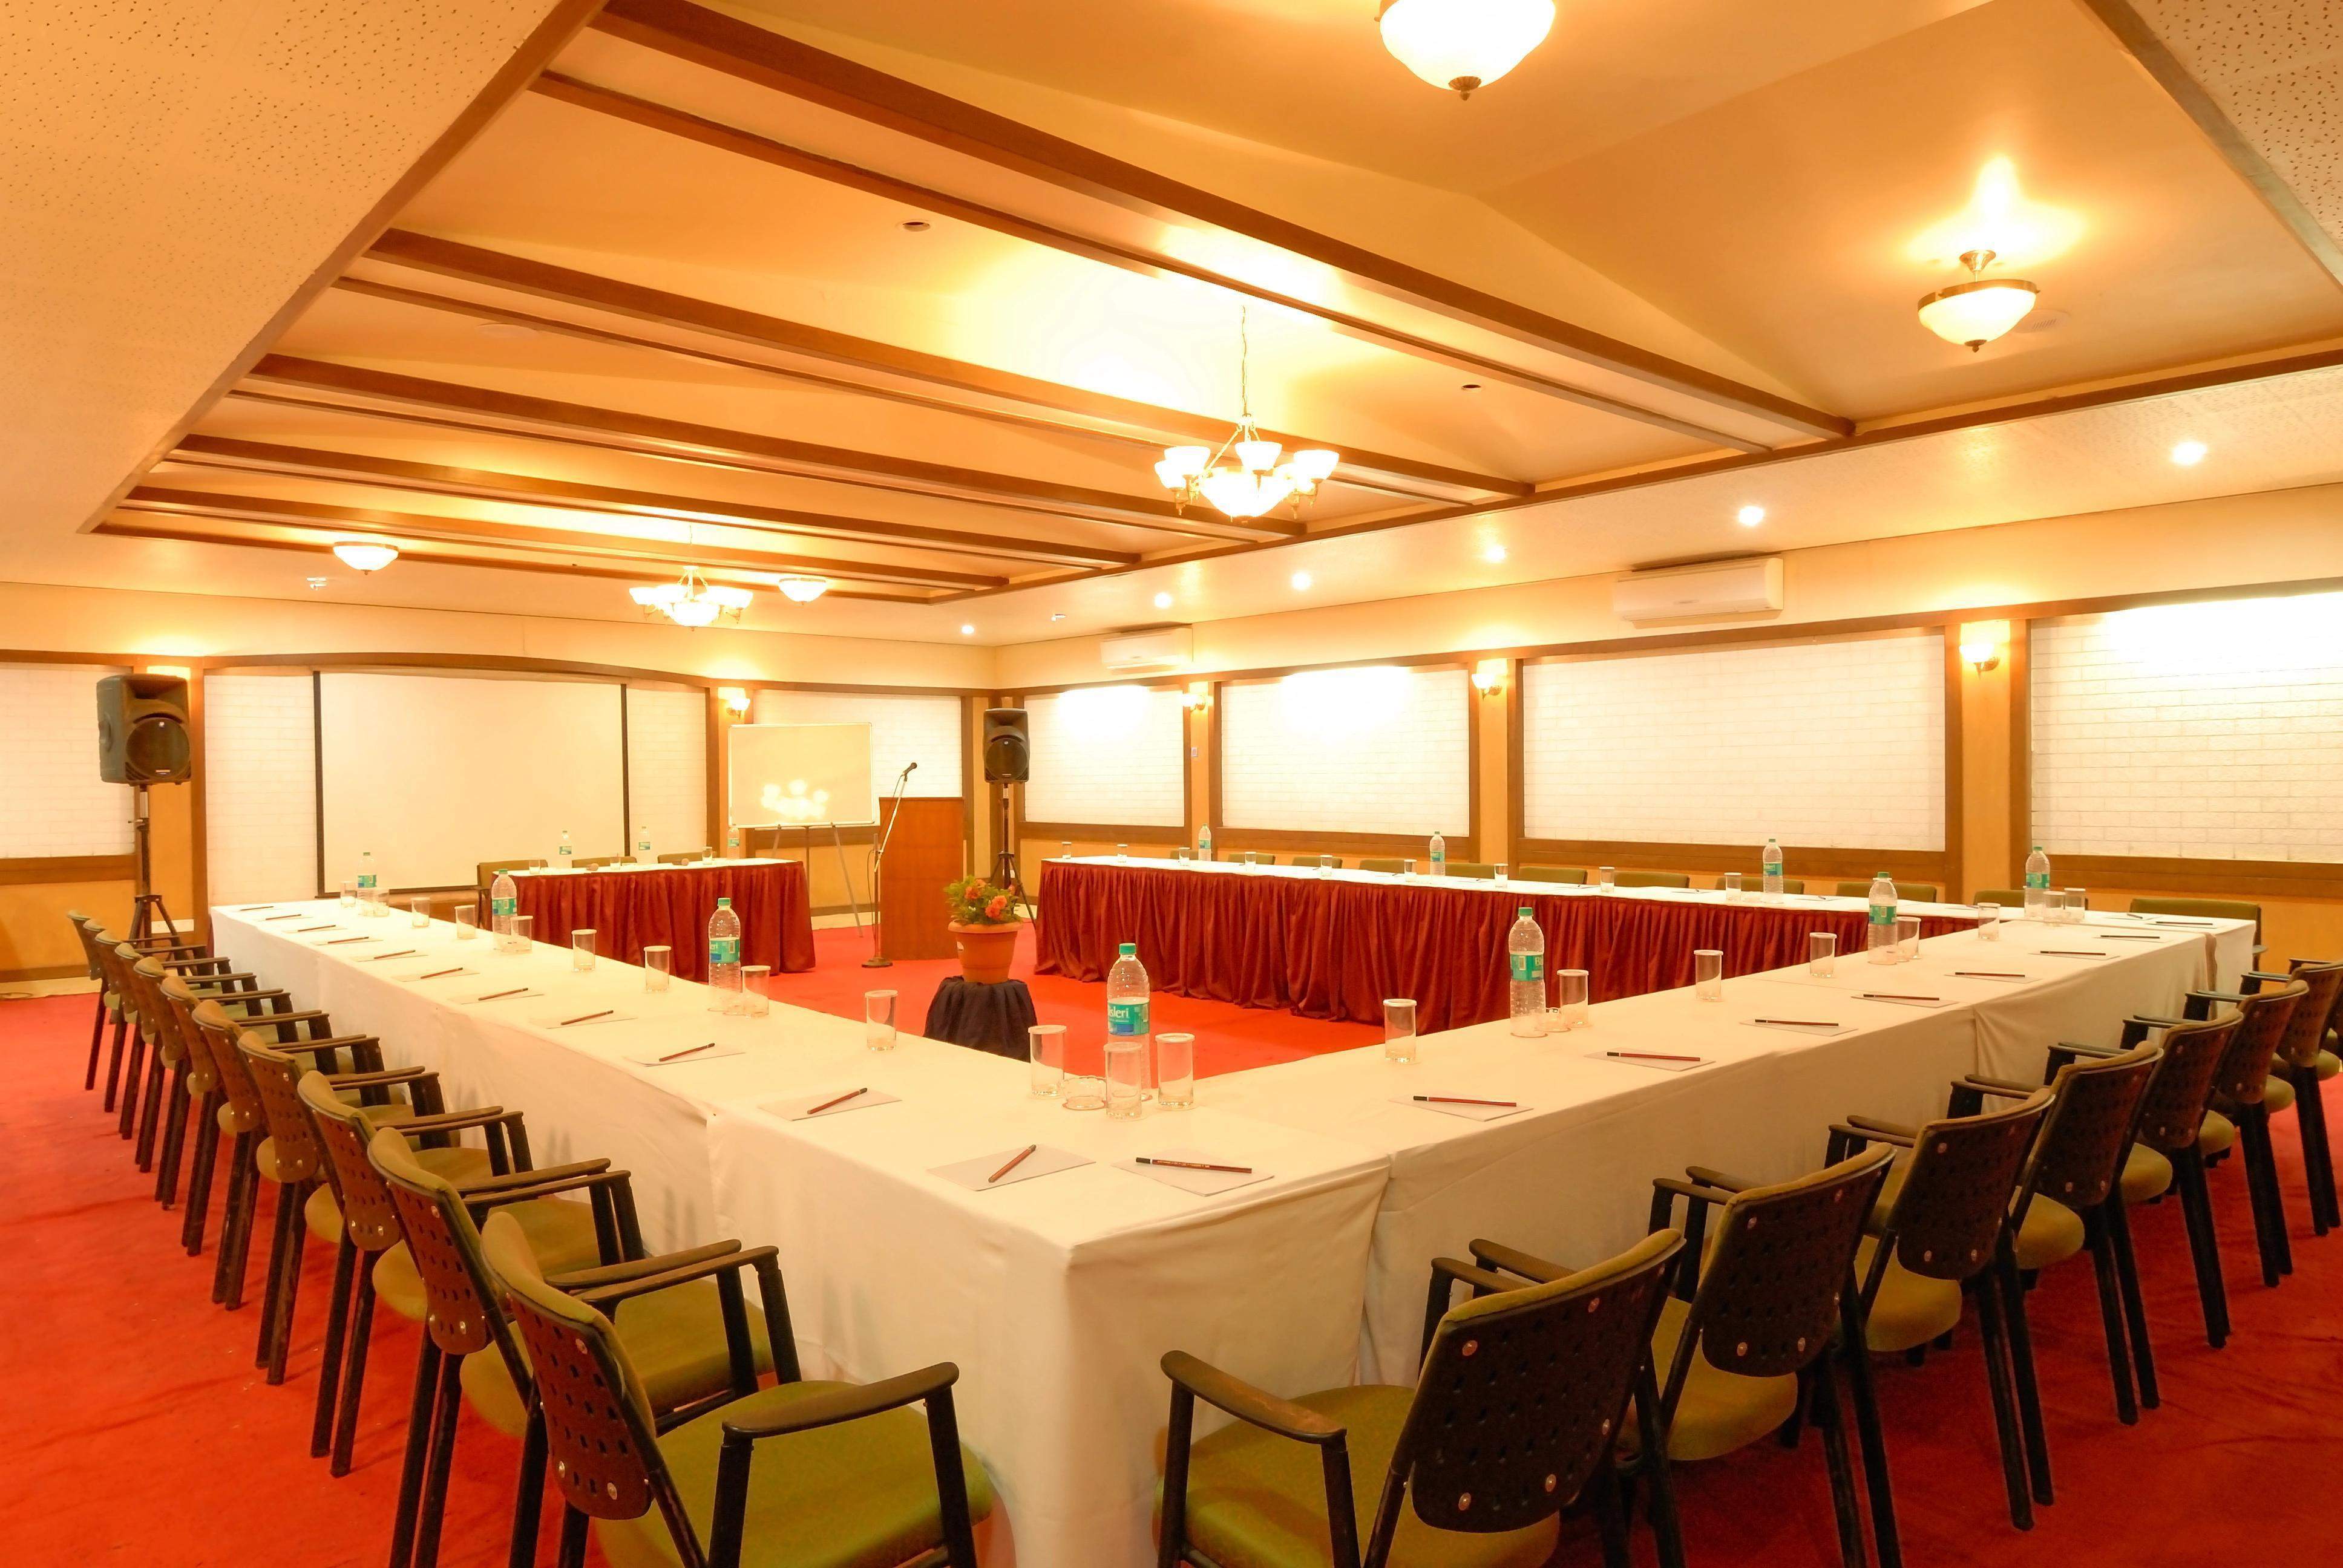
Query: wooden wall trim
x=65, y=870
x=2206, y=879
x=1106, y=832
x=1807, y=862
x=2021, y=749
x=1955, y=788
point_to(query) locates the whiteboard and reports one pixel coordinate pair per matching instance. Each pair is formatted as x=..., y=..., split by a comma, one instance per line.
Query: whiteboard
x=799, y=773
x=436, y=773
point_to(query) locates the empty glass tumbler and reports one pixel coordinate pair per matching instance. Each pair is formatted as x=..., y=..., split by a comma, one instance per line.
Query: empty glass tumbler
x=467, y=923
x=755, y=990
x=582, y=947
x=1708, y=973
x=1907, y=938
x=1822, y=953
x=658, y=967
x=1989, y=922
x=1175, y=1070
x=1570, y=1000
x=878, y=1019
x=1126, y=1078
x=1398, y=1029
x=1045, y=1052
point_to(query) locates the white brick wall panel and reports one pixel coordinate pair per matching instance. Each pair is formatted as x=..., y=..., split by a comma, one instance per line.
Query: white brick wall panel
x=260, y=788
x=1108, y=755
x=1380, y=750
x=666, y=765
x=52, y=801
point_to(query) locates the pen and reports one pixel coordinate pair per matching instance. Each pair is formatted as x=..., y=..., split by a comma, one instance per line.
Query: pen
x=1892, y=996
x=692, y=1050
x=435, y=974
x=1989, y=974
x=338, y=941
x=1014, y=1160
x=255, y=908
x=401, y=953
x=2125, y=937
x=274, y=919
x=305, y=931
x=1460, y=1100
x=494, y=994
x=586, y=1017
x=1191, y=1165
x=1648, y=1056
x=828, y=1104
x=1801, y=1022
x=2069, y=953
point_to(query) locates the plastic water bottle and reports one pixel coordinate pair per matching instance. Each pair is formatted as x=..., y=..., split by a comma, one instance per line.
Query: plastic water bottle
x=1439, y=856
x=2037, y=881
x=732, y=843
x=504, y=902
x=1771, y=865
x=1126, y=1000
x=1204, y=842
x=1880, y=939
x=643, y=855
x=366, y=876
x=564, y=856
x=723, y=959
x=1525, y=973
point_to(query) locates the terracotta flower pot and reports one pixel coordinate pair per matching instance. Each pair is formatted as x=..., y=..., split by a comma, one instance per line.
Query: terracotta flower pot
x=986, y=952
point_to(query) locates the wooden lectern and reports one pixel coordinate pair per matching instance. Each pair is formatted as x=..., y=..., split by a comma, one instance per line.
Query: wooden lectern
x=923, y=855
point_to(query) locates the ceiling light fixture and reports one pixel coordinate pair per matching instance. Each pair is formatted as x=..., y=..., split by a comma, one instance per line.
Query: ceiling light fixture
x=966, y=630
x=1494, y=555
x=801, y=589
x=1163, y=601
x=691, y=600
x=1255, y=483
x=2188, y=454
x=1301, y=582
x=363, y=557
x=1751, y=516
x=1975, y=312
x=915, y=226
x=1464, y=44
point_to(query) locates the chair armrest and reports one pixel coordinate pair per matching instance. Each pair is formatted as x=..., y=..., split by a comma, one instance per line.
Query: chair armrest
x=1723, y=1180
x=1696, y=1190
x=204, y=966
x=667, y=1278
x=2000, y=1088
x=378, y=1079
x=453, y=1122
x=278, y=1020
x=835, y=1405
x=2200, y=1002
x=617, y=1273
x=365, y=1050
x=1876, y=1127
x=1854, y=1135
x=1226, y=1391
x=2067, y=1050
x=492, y=1194
x=490, y=1186
x=1497, y=1255
x=2255, y=978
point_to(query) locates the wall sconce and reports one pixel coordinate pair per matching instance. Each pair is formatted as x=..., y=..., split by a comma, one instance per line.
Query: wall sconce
x=1489, y=677
x=735, y=698
x=1982, y=642
x=1198, y=697
x=181, y=670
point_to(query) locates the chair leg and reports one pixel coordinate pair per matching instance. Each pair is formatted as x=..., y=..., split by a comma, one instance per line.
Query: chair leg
x=529, y=1496
x=2029, y=1389
x=443, y=1453
x=235, y=1225
x=175, y=1139
x=1660, y=1508
x=573, y=1539
x=113, y=1061
x=419, y=1412
x=126, y=1120
x=150, y=1115
x=2000, y=1383
x=296, y=1238
x=204, y=1163
x=2143, y=1352
x=96, y=1040
x=1602, y=1501
x=329, y=1359
x=346, y=1418
x=1874, y=1439
x=1832, y=1423
x=2270, y=1207
x=2102, y=1261
x=2318, y=1153
x=2203, y=1245
x=272, y=1294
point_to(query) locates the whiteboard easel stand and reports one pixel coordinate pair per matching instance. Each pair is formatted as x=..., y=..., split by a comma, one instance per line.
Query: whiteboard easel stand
x=837, y=841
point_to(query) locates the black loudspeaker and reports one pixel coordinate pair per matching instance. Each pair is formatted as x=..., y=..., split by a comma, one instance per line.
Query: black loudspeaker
x=1007, y=755
x=142, y=730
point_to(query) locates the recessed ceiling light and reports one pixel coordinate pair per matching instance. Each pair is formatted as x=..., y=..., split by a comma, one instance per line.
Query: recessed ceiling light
x=916, y=225
x=1301, y=582
x=1469, y=387
x=966, y=630
x=2188, y=454
x=1751, y=516
x=1163, y=601
x=1494, y=555
x=1057, y=614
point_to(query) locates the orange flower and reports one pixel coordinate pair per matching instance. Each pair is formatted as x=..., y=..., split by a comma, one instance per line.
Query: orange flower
x=995, y=906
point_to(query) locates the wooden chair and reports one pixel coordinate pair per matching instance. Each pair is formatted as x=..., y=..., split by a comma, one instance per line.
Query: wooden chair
x=1479, y=870
x=1908, y=892
x=596, y=862
x=177, y=1058
x=125, y=1067
x=2008, y=898
x=1516, y=1412
x=2205, y=910
x=2168, y=1155
x=1764, y=1321
x=1652, y=879
x=854, y=1477
x=203, y=1096
x=1389, y=868
x=2304, y=1060
x=2242, y=1105
x=1753, y=882
x=1942, y=1233
x=1571, y=874
x=1255, y=857
x=686, y=857
x=84, y=932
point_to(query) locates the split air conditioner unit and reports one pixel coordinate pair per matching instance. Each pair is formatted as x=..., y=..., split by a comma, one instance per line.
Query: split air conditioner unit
x=1134, y=652
x=1713, y=589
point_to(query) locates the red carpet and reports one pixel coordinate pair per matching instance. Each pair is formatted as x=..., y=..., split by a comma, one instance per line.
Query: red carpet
x=144, y=1434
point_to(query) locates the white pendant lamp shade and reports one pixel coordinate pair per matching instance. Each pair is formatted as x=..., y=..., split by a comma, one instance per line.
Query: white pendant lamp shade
x=365, y=558
x=1975, y=312
x=1462, y=44
x=802, y=590
x=1244, y=494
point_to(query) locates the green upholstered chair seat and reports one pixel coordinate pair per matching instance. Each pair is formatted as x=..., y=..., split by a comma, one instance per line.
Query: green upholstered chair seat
x=1910, y=1309
x=323, y=1212
x=2217, y=1134
x=1571, y=874
x=1256, y=1500
x=1719, y=1410
x=264, y=1155
x=2052, y=1234
x=1480, y=871
x=2329, y=1064
x=860, y=1494
x=2146, y=1174
x=1386, y=868
x=1908, y=892
x=2008, y=898
x=2278, y=1093
x=560, y=1230
x=674, y=1338
x=1652, y=879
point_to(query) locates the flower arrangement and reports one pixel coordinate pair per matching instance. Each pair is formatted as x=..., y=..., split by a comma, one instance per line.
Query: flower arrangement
x=973, y=902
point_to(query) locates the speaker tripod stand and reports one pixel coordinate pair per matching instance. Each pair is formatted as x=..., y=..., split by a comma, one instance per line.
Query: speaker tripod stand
x=148, y=917
x=1005, y=874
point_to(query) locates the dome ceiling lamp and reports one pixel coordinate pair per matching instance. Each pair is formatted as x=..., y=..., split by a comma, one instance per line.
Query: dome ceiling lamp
x=691, y=600
x=1242, y=478
x=800, y=589
x=1975, y=312
x=363, y=557
x=1463, y=44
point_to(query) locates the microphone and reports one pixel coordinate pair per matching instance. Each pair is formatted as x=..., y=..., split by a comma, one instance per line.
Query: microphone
x=906, y=773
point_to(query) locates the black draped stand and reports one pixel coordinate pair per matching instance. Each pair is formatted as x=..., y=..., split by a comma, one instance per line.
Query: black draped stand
x=991, y=1018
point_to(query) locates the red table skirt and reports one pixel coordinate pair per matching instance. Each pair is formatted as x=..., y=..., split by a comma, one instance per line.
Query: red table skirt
x=1335, y=948
x=631, y=911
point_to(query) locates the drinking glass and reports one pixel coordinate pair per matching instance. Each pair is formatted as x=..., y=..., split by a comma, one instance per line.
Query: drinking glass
x=1126, y=1077
x=467, y=923
x=1501, y=872
x=1570, y=1005
x=658, y=967
x=1607, y=876
x=1822, y=954
x=1907, y=938
x=1045, y=1052
x=1988, y=921
x=2054, y=907
x=1065, y=849
x=582, y=947
x=1181, y=853
x=350, y=894
x=1249, y=861
x=2079, y=904
x=1731, y=886
x=1175, y=1070
x=1407, y=868
x=377, y=902
x=878, y=1019
x=1122, y=851
x=1325, y=865
x=1398, y=1029
x=522, y=934
x=1708, y=973
x=419, y=911
x=1082, y=1091
x=756, y=998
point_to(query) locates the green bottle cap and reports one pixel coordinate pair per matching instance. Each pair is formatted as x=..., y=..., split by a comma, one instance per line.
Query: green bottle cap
x=723, y=903
x=1524, y=911
x=1129, y=950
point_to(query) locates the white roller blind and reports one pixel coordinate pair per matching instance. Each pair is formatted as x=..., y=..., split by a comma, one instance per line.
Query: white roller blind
x=1838, y=744
x=1380, y=750
x=1109, y=755
x=260, y=788
x=2205, y=731
x=904, y=727
x=56, y=803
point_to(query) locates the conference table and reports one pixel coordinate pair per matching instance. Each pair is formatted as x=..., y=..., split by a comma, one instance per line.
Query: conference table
x=1333, y=944
x=1057, y=1295
x=630, y=908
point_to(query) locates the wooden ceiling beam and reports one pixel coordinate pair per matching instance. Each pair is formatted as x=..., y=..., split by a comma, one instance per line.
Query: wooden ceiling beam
x=590, y=291
x=771, y=60
x=483, y=530
x=356, y=387
x=531, y=490
x=1145, y=263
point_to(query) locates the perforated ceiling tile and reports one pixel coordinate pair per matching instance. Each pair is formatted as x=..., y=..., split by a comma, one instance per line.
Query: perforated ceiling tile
x=2275, y=68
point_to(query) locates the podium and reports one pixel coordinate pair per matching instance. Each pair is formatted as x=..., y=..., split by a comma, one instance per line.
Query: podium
x=923, y=855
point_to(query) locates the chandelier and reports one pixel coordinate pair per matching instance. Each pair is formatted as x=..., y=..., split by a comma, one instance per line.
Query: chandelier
x=692, y=600
x=1464, y=44
x=1975, y=312
x=1243, y=476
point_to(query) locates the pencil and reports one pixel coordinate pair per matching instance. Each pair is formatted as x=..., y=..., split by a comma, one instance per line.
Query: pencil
x=688, y=1050
x=494, y=994
x=1191, y=1165
x=1648, y=1056
x=586, y=1017
x=1014, y=1160
x=1801, y=1022
x=828, y=1104
x=435, y=974
x=1460, y=1099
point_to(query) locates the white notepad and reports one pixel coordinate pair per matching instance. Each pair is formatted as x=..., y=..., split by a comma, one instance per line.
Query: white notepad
x=1469, y=1112
x=580, y=1019
x=975, y=1174
x=705, y=1053
x=801, y=1108
x=1204, y=1183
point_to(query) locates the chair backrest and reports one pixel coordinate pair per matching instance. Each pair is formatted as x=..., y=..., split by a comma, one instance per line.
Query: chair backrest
x=1911, y=892
x=1480, y=871
x=682, y=857
x=143, y=976
x=179, y=1003
x=2262, y=1021
x=1770, y=1288
x=84, y=927
x=462, y=1313
x=1371, y=863
x=2095, y=1103
x=1652, y=879
x=2008, y=898
x=1333, y=862
x=2173, y=1110
x=596, y=862
x=1522, y=1396
x=2203, y=909
x=2314, y=1015
x=488, y=869
x=1752, y=881
x=276, y=1077
x=599, y=1432
x=114, y=958
x=1572, y=874
x=1258, y=857
x=368, y=1211
x=1948, y=1215
x=217, y=1032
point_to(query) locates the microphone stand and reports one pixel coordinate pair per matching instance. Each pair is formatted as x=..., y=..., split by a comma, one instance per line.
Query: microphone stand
x=878, y=960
